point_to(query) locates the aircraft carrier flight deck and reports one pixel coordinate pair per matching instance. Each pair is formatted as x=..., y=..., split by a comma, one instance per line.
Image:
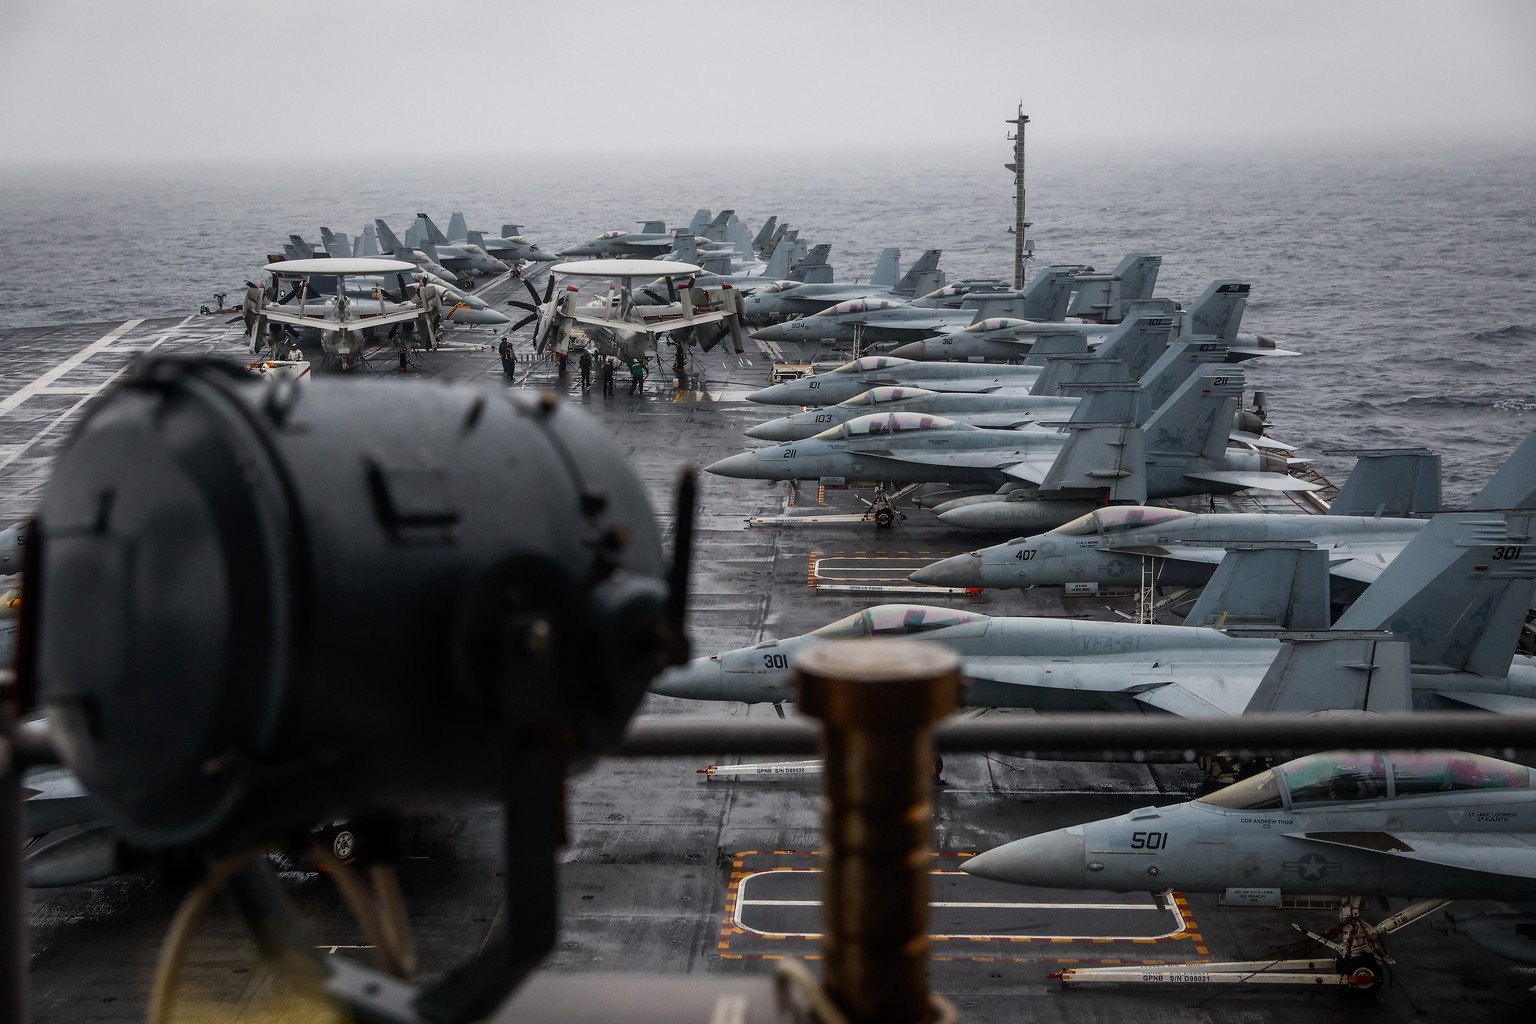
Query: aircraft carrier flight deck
x=680, y=866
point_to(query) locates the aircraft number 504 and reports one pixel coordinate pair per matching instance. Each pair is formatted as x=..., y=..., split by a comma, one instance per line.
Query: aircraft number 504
x=1506, y=554
x=775, y=661
x=1149, y=840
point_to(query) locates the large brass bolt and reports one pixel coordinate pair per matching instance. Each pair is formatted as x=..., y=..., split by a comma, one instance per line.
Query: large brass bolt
x=878, y=702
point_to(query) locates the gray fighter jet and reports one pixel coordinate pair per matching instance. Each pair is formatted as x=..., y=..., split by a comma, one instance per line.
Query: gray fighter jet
x=1180, y=450
x=884, y=318
x=1435, y=826
x=783, y=300
x=1216, y=315
x=998, y=410
x=391, y=246
x=859, y=375
x=510, y=246
x=462, y=258
x=1113, y=545
x=652, y=241
x=1453, y=603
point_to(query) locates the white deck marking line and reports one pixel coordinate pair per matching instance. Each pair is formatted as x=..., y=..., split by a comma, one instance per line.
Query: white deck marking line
x=1181, y=926
x=14, y=452
x=978, y=906
x=99, y=345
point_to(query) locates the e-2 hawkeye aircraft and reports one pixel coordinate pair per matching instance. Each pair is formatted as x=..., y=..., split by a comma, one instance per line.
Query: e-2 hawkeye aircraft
x=1433, y=826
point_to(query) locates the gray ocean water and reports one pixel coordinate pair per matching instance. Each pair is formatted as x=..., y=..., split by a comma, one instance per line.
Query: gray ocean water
x=1406, y=277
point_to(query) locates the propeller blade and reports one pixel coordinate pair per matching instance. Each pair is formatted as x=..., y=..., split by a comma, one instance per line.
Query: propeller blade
x=525, y=321
x=534, y=291
x=549, y=288
x=715, y=339
x=530, y=307
x=649, y=293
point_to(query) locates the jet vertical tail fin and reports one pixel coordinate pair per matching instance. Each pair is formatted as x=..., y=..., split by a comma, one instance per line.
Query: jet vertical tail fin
x=434, y=234
x=1219, y=310
x=777, y=268
x=1514, y=484
x=1275, y=585
x=416, y=234
x=1393, y=482
x=700, y=218
x=387, y=240
x=921, y=268
x=367, y=242
x=1104, y=451
x=684, y=247
x=1336, y=671
x=511, y=230
x=762, y=242
x=304, y=249
x=475, y=238
x=1047, y=296
x=653, y=227
x=1174, y=367
x=1136, y=344
x=1197, y=418
x=1054, y=371
x=811, y=268
x=715, y=230
x=887, y=269
x=458, y=228
x=335, y=244
x=1138, y=276
x=1458, y=592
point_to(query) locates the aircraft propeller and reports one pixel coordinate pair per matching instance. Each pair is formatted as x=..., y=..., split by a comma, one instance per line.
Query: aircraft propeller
x=541, y=309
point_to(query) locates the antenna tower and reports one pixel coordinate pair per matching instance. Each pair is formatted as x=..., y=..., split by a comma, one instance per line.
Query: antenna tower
x=1023, y=246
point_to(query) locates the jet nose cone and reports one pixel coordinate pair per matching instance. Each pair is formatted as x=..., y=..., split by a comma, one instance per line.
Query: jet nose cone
x=742, y=466
x=911, y=350
x=700, y=679
x=776, y=394
x=957, y=571
x=781, y=429
x=1053, y=860
x=546, y=257
x=775, y=332
x=982, y=516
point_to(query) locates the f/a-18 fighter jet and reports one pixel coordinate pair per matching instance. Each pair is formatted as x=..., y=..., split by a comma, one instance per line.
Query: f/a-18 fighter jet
x=510, y=247
x=1434, y=826
x=783, y=300
x=1181, y=449
x=460, y=257
x=1216, y=315
x=1113, y=544
x=652, y=241
x=1453, y=603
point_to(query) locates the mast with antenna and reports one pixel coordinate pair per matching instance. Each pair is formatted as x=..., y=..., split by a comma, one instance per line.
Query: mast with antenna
x=1023, y=246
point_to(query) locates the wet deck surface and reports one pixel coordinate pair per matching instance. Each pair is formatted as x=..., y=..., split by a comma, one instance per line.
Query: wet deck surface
x=669, y=871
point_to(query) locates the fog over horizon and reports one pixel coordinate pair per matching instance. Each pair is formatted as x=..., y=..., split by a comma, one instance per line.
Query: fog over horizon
x=178, y=81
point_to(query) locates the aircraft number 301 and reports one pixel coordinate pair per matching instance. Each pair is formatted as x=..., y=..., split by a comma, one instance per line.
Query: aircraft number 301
x=1506, y=554
x=775, y=661
x=1149, y=840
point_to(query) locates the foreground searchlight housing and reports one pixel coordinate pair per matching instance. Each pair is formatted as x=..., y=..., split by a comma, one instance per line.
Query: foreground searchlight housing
x=260, y=605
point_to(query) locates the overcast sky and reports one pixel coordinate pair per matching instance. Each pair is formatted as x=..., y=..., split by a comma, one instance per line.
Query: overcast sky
x=90, y=81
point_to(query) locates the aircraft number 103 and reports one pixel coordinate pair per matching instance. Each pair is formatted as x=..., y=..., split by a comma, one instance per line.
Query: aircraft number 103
x=1149, y=840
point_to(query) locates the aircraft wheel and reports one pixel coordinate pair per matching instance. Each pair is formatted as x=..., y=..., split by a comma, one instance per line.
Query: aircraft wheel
x=344, y=845
x=1365, y=976
x=884, y=517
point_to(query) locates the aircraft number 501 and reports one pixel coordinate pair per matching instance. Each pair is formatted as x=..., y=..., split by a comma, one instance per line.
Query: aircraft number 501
x=1149, y=840
x=775, y=661
x=1506, y=554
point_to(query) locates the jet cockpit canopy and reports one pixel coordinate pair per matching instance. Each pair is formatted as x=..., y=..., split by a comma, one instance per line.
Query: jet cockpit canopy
x=1118, y=518
x=1340, y=776
x=886, y=393
x=868, y=363
x=895, y=620
x=996, y=323
x=864, y=305
x=882, y=424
